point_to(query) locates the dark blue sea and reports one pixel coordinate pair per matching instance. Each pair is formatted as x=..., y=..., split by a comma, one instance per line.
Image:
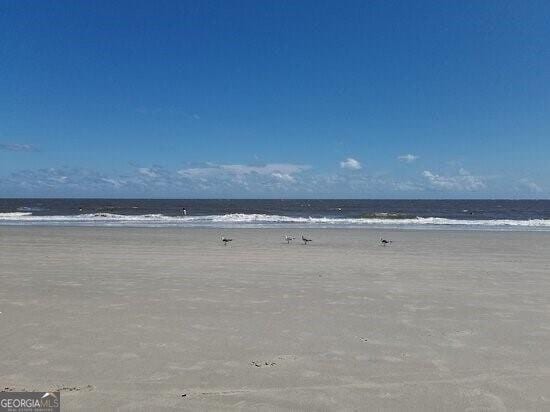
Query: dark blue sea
x=426, y=214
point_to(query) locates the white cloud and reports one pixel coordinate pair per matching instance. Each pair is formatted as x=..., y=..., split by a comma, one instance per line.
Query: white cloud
x=464, y=181
x=282, y=171
x=267, y=169
x=68, y=180
x=350, y=164
x=264, y=178
x=199, y=172
x=407, y=186
x=115, y=182
x=284, y=177
x=234, y=180
x=17, y=147
x=408, y=158
x=147, y=171
x=530, y=185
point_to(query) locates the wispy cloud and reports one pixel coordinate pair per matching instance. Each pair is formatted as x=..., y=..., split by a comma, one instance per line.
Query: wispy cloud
x=168, y=111
x=463, y=181
x=240, y=169
x=267, y=169
x=18, y=147
x=351, y=164
x=56, y=178
x=284, y=177
x=407, y=158
x=148, y=171
x=256, y=180
x=530, y=185
x=269, y=176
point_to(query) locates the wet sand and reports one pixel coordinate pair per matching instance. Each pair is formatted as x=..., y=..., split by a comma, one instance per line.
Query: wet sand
x=170, y=319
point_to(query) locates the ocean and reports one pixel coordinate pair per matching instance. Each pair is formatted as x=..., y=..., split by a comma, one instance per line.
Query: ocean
x=302, y=213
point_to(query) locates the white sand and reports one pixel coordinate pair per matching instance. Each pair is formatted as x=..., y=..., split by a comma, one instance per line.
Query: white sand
x=132, y=319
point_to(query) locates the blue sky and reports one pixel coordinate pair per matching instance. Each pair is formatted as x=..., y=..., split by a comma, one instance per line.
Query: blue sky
x=428, y=99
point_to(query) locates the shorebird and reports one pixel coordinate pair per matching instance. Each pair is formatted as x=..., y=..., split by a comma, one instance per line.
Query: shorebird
x=385, y=242
x=289, y=238
x=305, y=240
x=226, y=240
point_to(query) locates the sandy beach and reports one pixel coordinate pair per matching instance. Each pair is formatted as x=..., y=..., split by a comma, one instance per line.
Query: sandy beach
x=170, y=319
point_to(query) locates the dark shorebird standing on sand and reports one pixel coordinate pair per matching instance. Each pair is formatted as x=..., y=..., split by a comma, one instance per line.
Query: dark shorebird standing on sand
x=385, y=242
x=226, y=240
x=306, y=240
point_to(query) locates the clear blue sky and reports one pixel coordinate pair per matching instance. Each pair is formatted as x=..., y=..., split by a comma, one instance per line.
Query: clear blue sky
x=275, y=98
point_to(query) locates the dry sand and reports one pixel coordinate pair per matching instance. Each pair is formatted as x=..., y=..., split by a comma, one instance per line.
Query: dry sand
x=133, y=319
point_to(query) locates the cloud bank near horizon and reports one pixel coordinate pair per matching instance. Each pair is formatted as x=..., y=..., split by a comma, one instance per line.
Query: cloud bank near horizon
x=249, y=180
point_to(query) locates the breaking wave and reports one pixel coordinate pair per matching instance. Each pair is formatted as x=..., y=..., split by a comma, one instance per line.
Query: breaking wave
x=14, y=215
x=262, y=220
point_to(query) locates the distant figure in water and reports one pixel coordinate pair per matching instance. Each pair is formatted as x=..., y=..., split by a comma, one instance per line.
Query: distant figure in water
x=289, y=238
x=306, y=240
x=385, y=242
x=80, y=209
x=226, y=240
x=184, y=211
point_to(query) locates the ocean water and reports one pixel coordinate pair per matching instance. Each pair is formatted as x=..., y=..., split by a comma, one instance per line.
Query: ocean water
x=425, y=214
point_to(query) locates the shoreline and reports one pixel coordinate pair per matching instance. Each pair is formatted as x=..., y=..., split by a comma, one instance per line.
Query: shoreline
x=290, y=227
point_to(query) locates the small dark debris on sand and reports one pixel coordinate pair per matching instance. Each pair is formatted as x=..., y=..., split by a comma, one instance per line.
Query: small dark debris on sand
x=73, y=388
x=259, y=364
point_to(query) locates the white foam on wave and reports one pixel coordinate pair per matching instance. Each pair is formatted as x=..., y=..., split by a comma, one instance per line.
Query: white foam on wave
x=97, y=217
x=14, y=215
x=259, y=219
